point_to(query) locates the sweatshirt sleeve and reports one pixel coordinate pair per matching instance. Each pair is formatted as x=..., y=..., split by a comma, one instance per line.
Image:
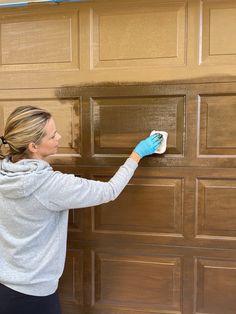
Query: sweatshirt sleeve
x=66, y=191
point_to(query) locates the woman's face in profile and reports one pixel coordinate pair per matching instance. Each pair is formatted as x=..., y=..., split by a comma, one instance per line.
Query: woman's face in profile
x=49, y=143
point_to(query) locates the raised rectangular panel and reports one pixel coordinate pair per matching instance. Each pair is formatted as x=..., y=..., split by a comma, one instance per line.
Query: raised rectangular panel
x=149, y=206
x=75, y=220
x=149, y=33
x=39, y=41
x=120, y=123
x=218, y=29
x=215, y=286
x=141, y=283
x=216, y=215
x=65, y=116
x=71, y=282
x=36, y=42
x=217, y=127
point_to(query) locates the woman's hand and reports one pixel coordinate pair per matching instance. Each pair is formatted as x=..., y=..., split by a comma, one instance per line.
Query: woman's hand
x=149, y=145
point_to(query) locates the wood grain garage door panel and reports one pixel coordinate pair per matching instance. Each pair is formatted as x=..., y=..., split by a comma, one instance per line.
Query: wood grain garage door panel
x=119, y=123
x=146, y=206
x=137, y=282
x=216, y=208
x=216, y=286
x=217, y=125
x=71, y=283
x=47, y=40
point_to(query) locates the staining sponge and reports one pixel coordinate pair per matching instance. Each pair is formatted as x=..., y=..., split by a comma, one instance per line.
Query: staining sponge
x=162, y=148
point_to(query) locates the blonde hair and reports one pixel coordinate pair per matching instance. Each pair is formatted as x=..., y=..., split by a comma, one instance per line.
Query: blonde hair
x=24, y=125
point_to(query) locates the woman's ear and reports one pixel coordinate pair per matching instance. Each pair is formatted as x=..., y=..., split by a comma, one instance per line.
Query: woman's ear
x=32, y=147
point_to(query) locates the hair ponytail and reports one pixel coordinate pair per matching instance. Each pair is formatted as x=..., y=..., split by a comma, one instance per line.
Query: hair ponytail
x=24, y=125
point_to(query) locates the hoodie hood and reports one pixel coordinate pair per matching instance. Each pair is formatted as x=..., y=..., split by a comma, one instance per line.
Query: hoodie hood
x=22, y=178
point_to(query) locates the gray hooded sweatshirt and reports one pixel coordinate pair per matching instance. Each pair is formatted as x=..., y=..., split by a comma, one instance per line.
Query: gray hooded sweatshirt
x=34, y=205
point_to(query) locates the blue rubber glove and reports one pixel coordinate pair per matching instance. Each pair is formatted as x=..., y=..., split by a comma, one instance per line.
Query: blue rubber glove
x=148, y=145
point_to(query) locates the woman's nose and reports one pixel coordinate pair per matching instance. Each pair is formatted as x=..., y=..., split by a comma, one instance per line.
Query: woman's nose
x=58, y=136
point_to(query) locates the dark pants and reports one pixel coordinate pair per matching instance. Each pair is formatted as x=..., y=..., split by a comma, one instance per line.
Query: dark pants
x=13, y=302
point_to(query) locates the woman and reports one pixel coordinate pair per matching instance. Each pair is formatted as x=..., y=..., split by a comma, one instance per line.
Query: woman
x=34, y=203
